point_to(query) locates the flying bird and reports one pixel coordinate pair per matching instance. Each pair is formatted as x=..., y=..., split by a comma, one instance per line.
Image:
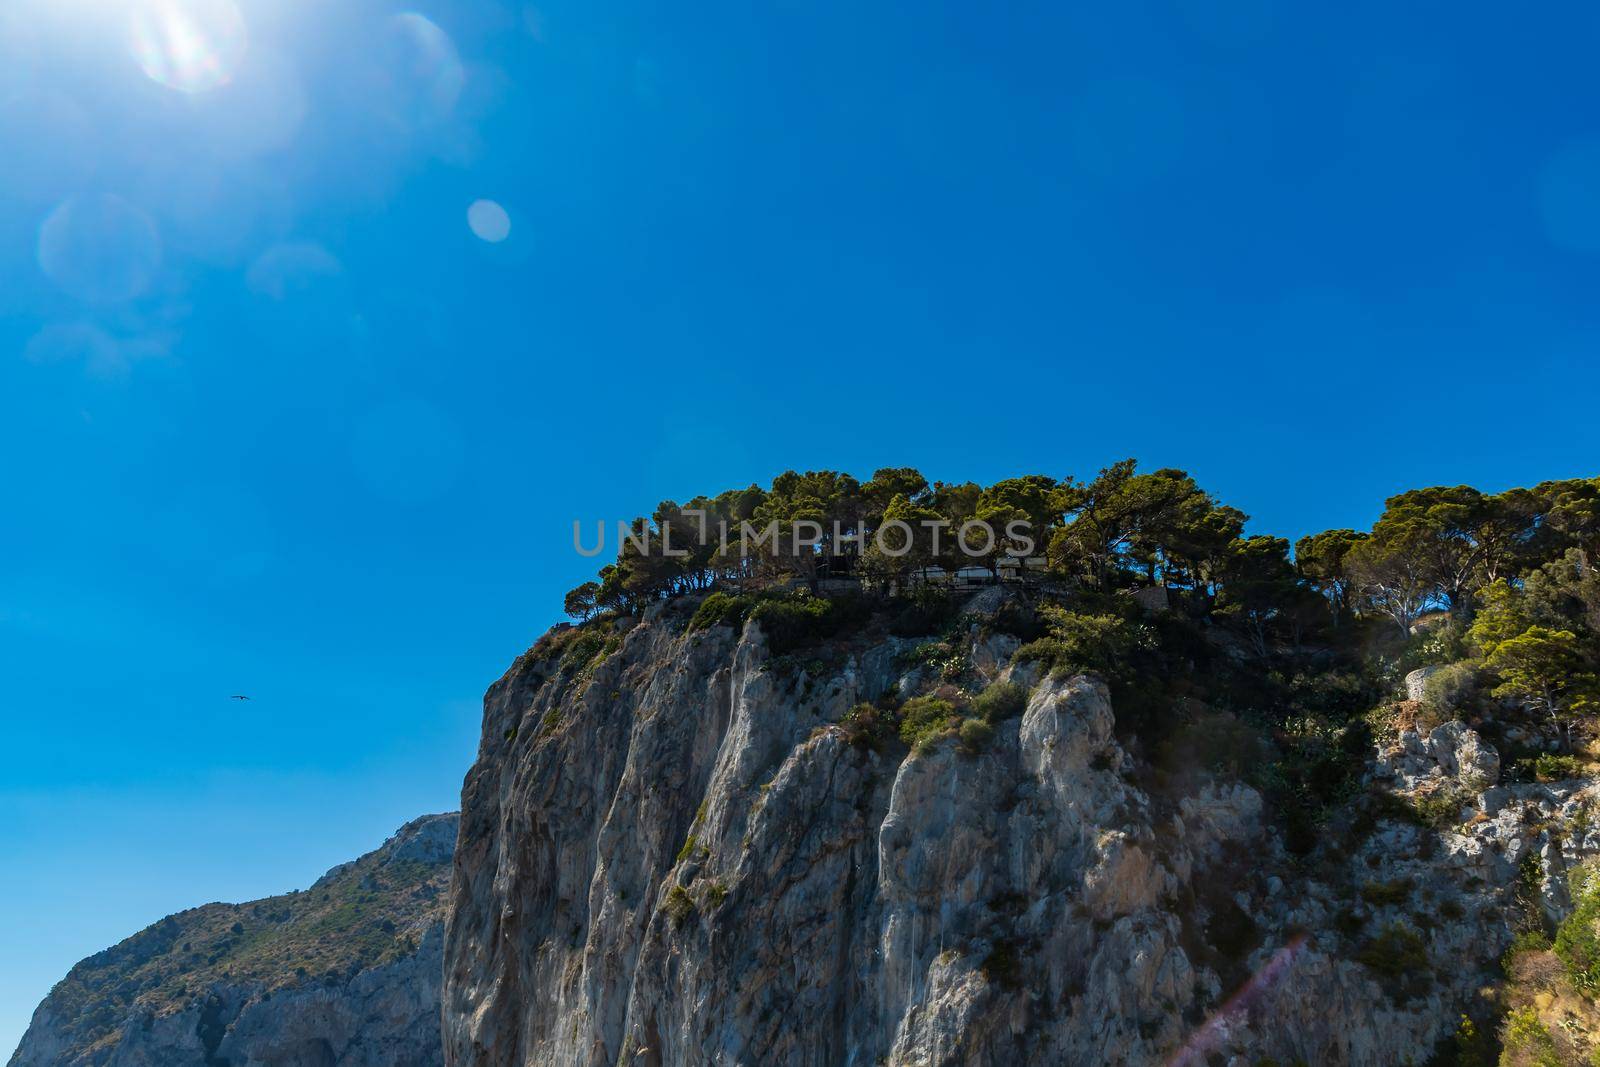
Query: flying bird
x=236, y=696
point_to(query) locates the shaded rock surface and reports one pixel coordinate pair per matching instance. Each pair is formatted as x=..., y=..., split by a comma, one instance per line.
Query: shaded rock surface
x=344, y=974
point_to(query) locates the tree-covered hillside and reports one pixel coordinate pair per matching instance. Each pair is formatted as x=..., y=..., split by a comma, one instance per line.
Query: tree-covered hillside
x=1232, y=648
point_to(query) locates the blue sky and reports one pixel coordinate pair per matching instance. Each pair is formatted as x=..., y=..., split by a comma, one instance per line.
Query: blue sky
x=275, y=420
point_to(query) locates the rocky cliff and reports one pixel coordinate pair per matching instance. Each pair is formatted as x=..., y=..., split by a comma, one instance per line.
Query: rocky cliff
x=680, y=848
x=344, y=974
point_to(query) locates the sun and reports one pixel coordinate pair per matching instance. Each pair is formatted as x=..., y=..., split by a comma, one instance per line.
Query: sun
x=192, y=46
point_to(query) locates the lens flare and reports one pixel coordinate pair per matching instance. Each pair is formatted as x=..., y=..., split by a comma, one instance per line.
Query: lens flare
x=489, y=221
x=189, y=45
x=78, y=342
x=1208, y=1040
x=291, y=267
x=423, y=69
x=100, y=249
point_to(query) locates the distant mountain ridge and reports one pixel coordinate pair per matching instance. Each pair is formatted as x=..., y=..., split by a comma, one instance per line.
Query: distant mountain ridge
x=344, y=974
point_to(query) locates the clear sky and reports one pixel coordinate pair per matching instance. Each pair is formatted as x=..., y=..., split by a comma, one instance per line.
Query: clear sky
x=283, y=414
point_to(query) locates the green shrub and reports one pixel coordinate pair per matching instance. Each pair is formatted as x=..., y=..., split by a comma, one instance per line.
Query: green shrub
x=1383, y=721
x=721, y=609
x=1000, y=701
x=1439, y=809
x=1443, y=643
x=1451, y=687
x=1220, y=744
x=791, y=623
x=927, y=610
x=791, y=620
x=1380, y=894
x=1336, y=694
x=691, y=846
x=948, y=663
x=679, y=905
x=1577, y=943
x=975, y=736
x=868, y=726
x=1395, y=953
x=925, y=719
x=1472, y=1046
x=1552, y=768
x=1525, y=1040
x=1014, y=620
x=1524, y=941
x=584, y=648
x=1078, y=643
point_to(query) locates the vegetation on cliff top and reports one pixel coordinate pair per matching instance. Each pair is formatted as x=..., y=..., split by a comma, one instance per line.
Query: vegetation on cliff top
x=1498, y=590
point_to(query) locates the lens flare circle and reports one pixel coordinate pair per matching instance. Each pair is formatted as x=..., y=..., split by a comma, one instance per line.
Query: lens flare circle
x=290, y=268
x=78, y=342
x=192, y=46
x=99, y=248
x=489, y=221
x=423, y=68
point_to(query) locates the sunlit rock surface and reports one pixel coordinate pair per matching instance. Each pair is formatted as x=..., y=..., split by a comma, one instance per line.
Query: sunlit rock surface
x=672, y=855
x=344, y=974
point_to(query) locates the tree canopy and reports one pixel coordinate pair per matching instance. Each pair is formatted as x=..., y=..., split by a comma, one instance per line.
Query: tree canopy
x=1503, y=563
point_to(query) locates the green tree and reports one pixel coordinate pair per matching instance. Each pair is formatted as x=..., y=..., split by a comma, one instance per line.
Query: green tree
x=1571, y=514
x=1503, y=613
x=956, y=503
x=1507, y=528
x=1458, y=538
x=1075, y=642
x=614, y=594
x=581, y=602
x=1390, y=576
x=992, y=539
x=1161, y=525
x=803, y=508
x=1547, y=670
x=1564, y=594
x=645, y=570
x=1567, y=589
x=1320, y=558
x=1033, y=498
x=1258, y=587
x=1100, y=527
x=887, y=483
x=903, y=544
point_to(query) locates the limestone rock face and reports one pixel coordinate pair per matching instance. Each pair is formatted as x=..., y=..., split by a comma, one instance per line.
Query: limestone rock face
x=680, y=859
x=1451, y=756
x=345, y=974
x=674, y=853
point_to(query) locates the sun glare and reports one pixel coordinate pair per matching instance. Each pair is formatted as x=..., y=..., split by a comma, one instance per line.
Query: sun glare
x=189, y=45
